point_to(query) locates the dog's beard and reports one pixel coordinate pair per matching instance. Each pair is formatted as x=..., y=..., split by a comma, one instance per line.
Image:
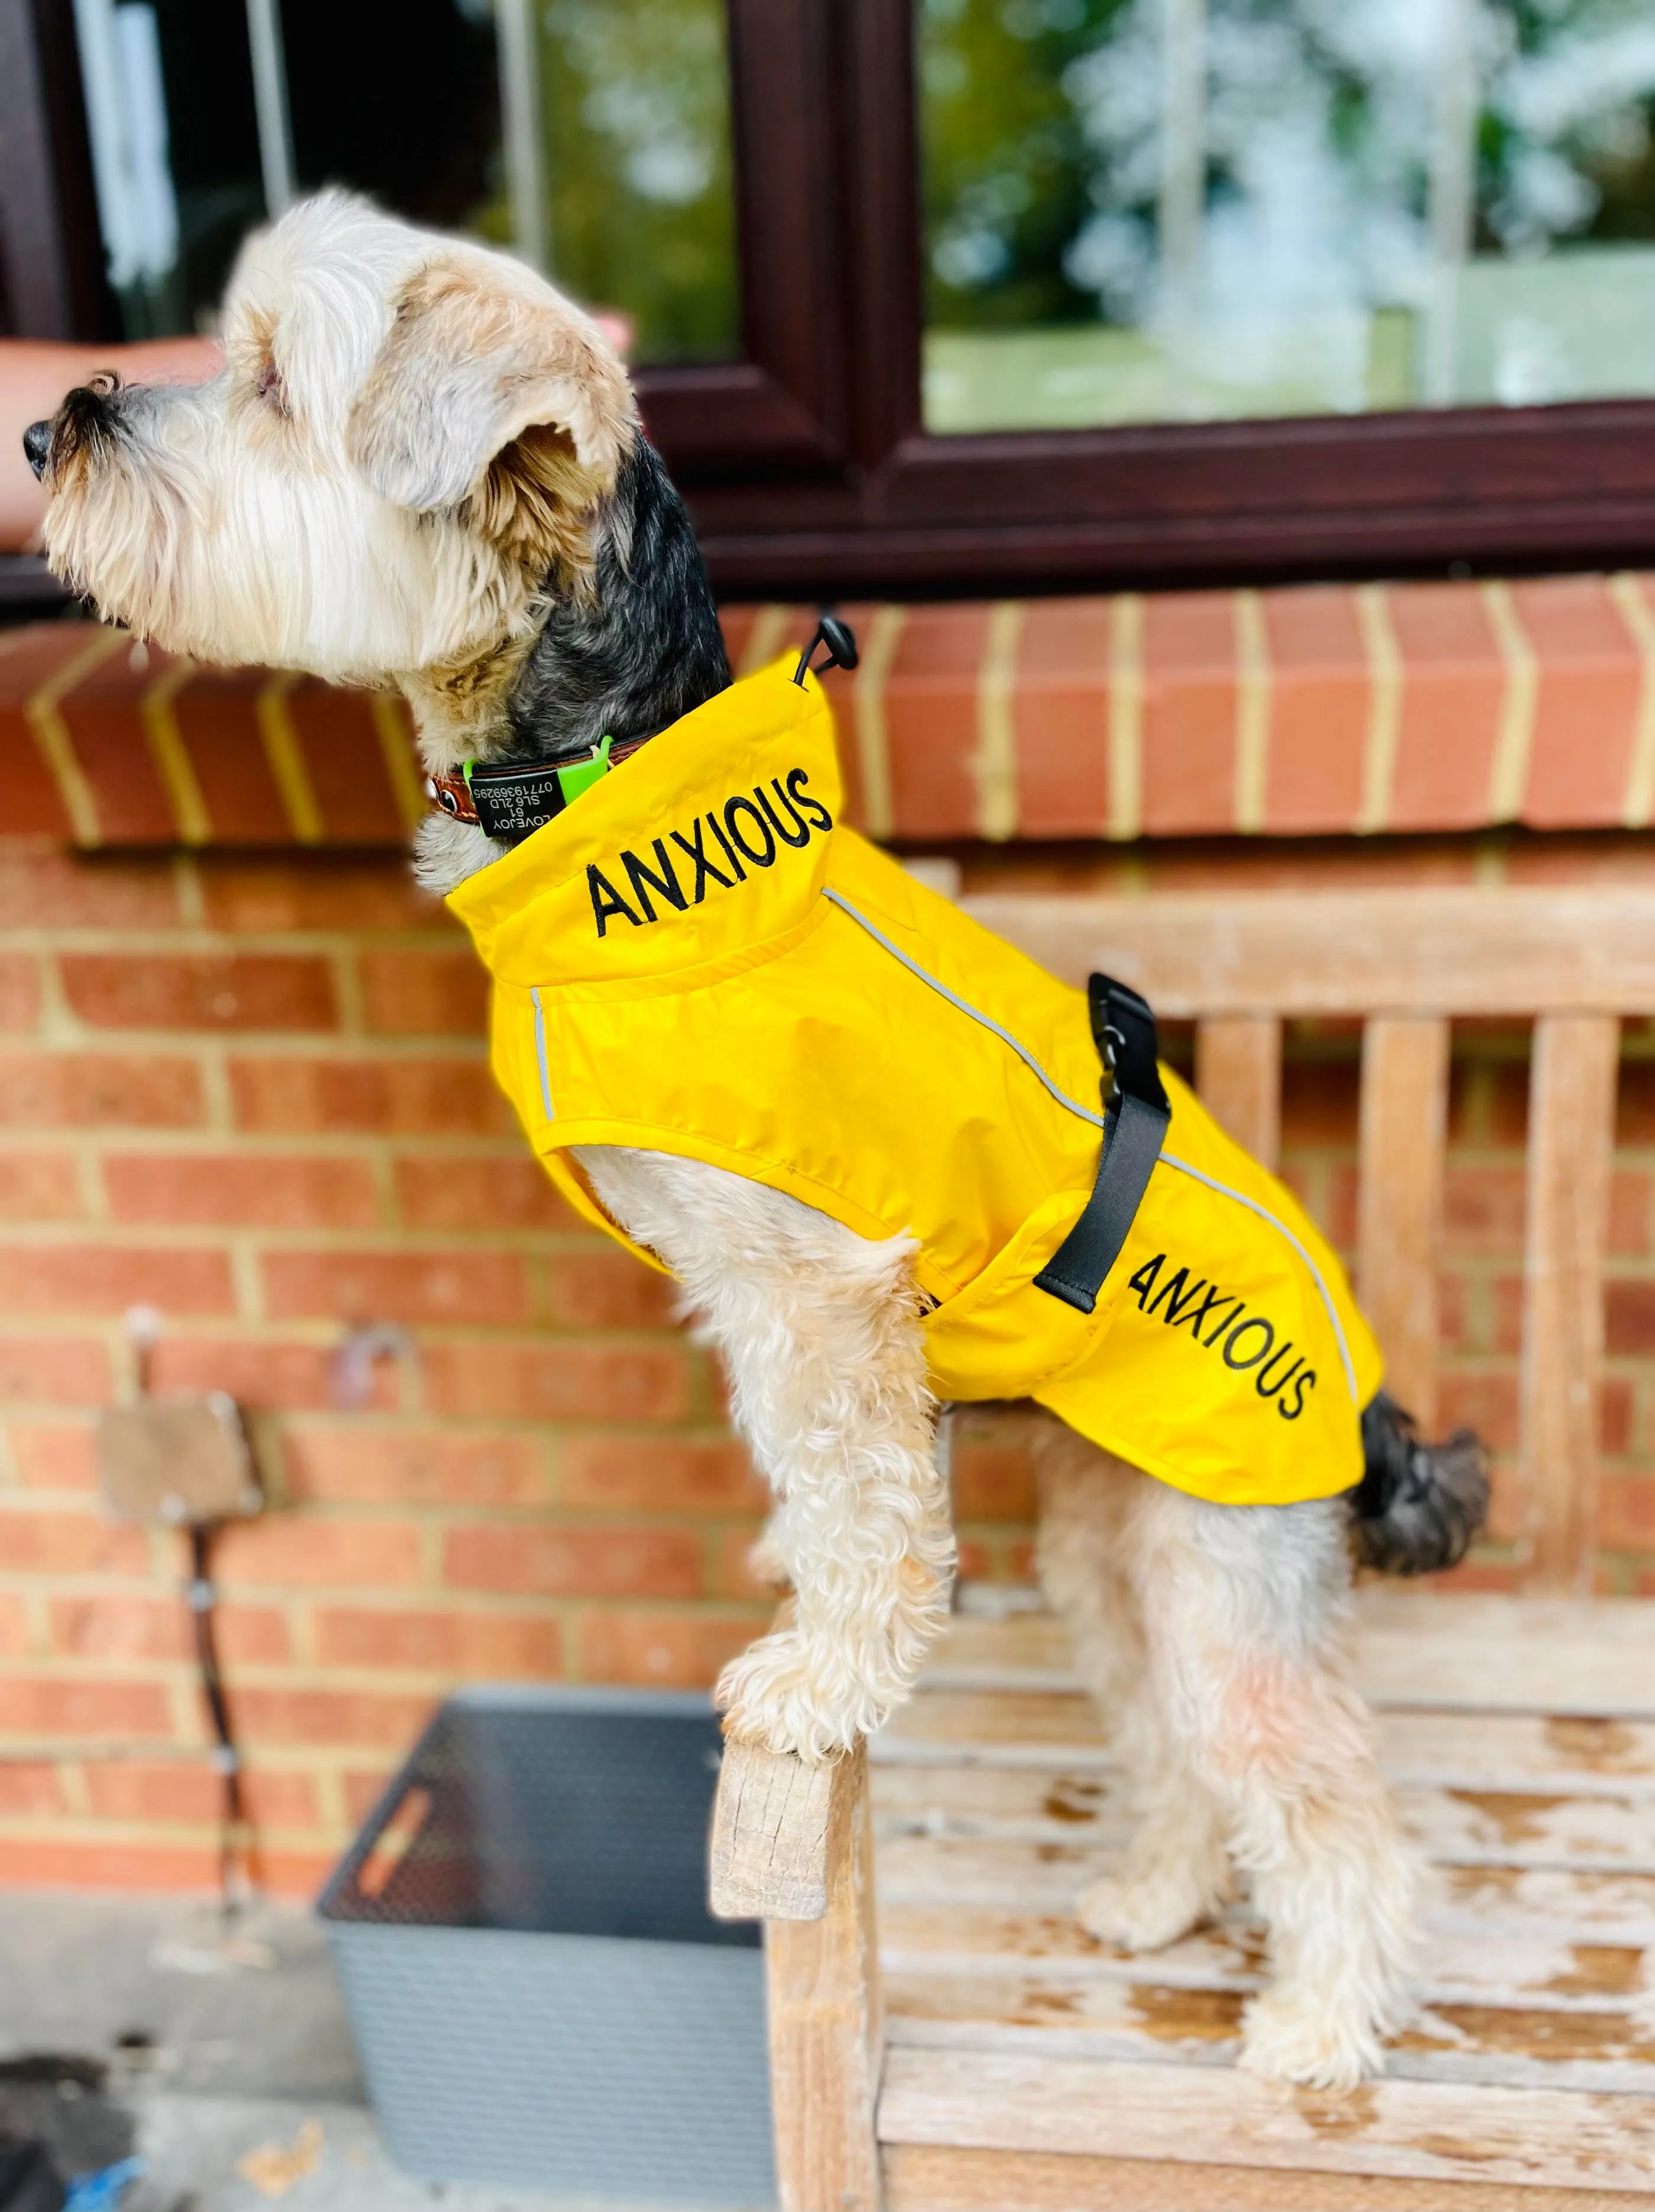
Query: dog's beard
x=113, y=536
x=235, y=555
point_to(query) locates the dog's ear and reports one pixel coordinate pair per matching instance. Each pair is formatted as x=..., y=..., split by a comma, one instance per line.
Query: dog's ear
x=473, y=377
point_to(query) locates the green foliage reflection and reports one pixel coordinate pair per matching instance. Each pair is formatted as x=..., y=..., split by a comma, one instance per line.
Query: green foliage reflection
x=1222, y=207
x=1007, y=171
x=636, y=103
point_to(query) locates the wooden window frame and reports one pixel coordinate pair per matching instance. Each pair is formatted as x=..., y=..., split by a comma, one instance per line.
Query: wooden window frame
x=51, y=267
x=827, y=153
x=806, y=463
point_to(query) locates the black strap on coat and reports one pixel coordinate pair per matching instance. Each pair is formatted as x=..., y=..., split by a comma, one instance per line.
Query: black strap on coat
x=1135, y=1119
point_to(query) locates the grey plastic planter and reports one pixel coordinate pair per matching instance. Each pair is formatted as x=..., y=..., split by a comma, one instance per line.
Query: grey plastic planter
x=538, y=1994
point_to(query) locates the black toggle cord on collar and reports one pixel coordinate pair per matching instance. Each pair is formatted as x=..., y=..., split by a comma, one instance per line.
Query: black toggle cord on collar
x=838, y=639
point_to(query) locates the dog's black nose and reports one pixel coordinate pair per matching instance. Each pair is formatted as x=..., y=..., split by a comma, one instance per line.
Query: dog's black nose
x=37, y=445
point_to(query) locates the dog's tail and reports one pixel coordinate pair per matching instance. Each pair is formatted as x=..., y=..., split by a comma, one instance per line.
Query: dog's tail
x=1418, y=1505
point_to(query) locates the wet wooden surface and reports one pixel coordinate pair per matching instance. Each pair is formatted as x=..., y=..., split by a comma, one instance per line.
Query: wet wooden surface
x=1520, y=1742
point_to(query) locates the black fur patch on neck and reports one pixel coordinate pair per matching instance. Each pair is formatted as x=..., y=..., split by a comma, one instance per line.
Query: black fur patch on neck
x=640, y=647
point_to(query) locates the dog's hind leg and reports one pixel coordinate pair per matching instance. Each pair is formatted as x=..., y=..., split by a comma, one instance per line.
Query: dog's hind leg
x=1086, y=1498
x=1243, y=1611
x=819, y=1330
x=1175, y=1871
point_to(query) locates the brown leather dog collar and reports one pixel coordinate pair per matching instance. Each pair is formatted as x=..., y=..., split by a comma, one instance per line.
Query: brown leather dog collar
x=511, y=801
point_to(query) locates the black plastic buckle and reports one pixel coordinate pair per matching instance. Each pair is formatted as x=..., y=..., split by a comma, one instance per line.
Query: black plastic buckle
x=1136, y=1113
x=1124, y=1029
x=840, y=639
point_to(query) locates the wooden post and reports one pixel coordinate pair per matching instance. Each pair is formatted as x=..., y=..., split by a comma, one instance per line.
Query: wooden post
x=1405, y=1129
x=1238, y=1077
x=1571, y=1133
x=772, y=1821
x=793, y=1844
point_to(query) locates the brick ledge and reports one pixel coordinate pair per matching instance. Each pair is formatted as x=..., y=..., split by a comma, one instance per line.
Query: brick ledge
x=1319, y=710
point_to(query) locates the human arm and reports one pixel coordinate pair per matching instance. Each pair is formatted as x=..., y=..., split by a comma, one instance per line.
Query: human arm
x=34, y=375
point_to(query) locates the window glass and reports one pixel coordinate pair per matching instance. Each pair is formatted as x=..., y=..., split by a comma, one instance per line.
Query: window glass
x=175, y=151
x=639, y=209
x=1144, y=210
x=593, y=136
x=403, y=102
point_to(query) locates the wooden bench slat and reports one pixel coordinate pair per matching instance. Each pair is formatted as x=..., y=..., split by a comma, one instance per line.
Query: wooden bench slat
x=1587, y=1757
x=1068, y=1796
x=1467, y=2040
x=1487, y=1652
x=1057, y=1806
x=1534, y=1971
x=927, y=2178
x=1404, y=1125
x=1238, y=1076
x=1436, y=2131
x=1459, y=1650
x=1537, y=1975
x=1571, y=1134
x=1524, y=1906
x=1030, y=1719
x=1467, y=2044
x=1426, y=950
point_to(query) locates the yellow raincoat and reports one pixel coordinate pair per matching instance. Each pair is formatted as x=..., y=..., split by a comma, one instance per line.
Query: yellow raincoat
x=696, y=958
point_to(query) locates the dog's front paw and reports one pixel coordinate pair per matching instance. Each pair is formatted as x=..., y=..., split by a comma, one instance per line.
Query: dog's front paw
x=1145, y=1911
x=781, y=1694
x=1289, y=2036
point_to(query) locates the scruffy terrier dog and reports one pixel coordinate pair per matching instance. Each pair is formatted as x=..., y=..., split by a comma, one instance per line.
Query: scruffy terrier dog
x=421, y=466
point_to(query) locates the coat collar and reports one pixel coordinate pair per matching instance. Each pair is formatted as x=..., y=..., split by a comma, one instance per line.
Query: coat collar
x=711, y=840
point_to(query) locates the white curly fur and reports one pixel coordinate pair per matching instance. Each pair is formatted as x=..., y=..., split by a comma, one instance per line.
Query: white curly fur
x=1212, y=1638
x=821, y=1334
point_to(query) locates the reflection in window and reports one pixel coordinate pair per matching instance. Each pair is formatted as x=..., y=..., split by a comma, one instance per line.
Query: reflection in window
x=593, y=136
x=638, y=209
x=174, y=150
x=1140, y=210
x=409, y=114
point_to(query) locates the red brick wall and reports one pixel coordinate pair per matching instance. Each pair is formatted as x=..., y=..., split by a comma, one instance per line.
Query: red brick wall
x=253, y=1094
x=256, y=1097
